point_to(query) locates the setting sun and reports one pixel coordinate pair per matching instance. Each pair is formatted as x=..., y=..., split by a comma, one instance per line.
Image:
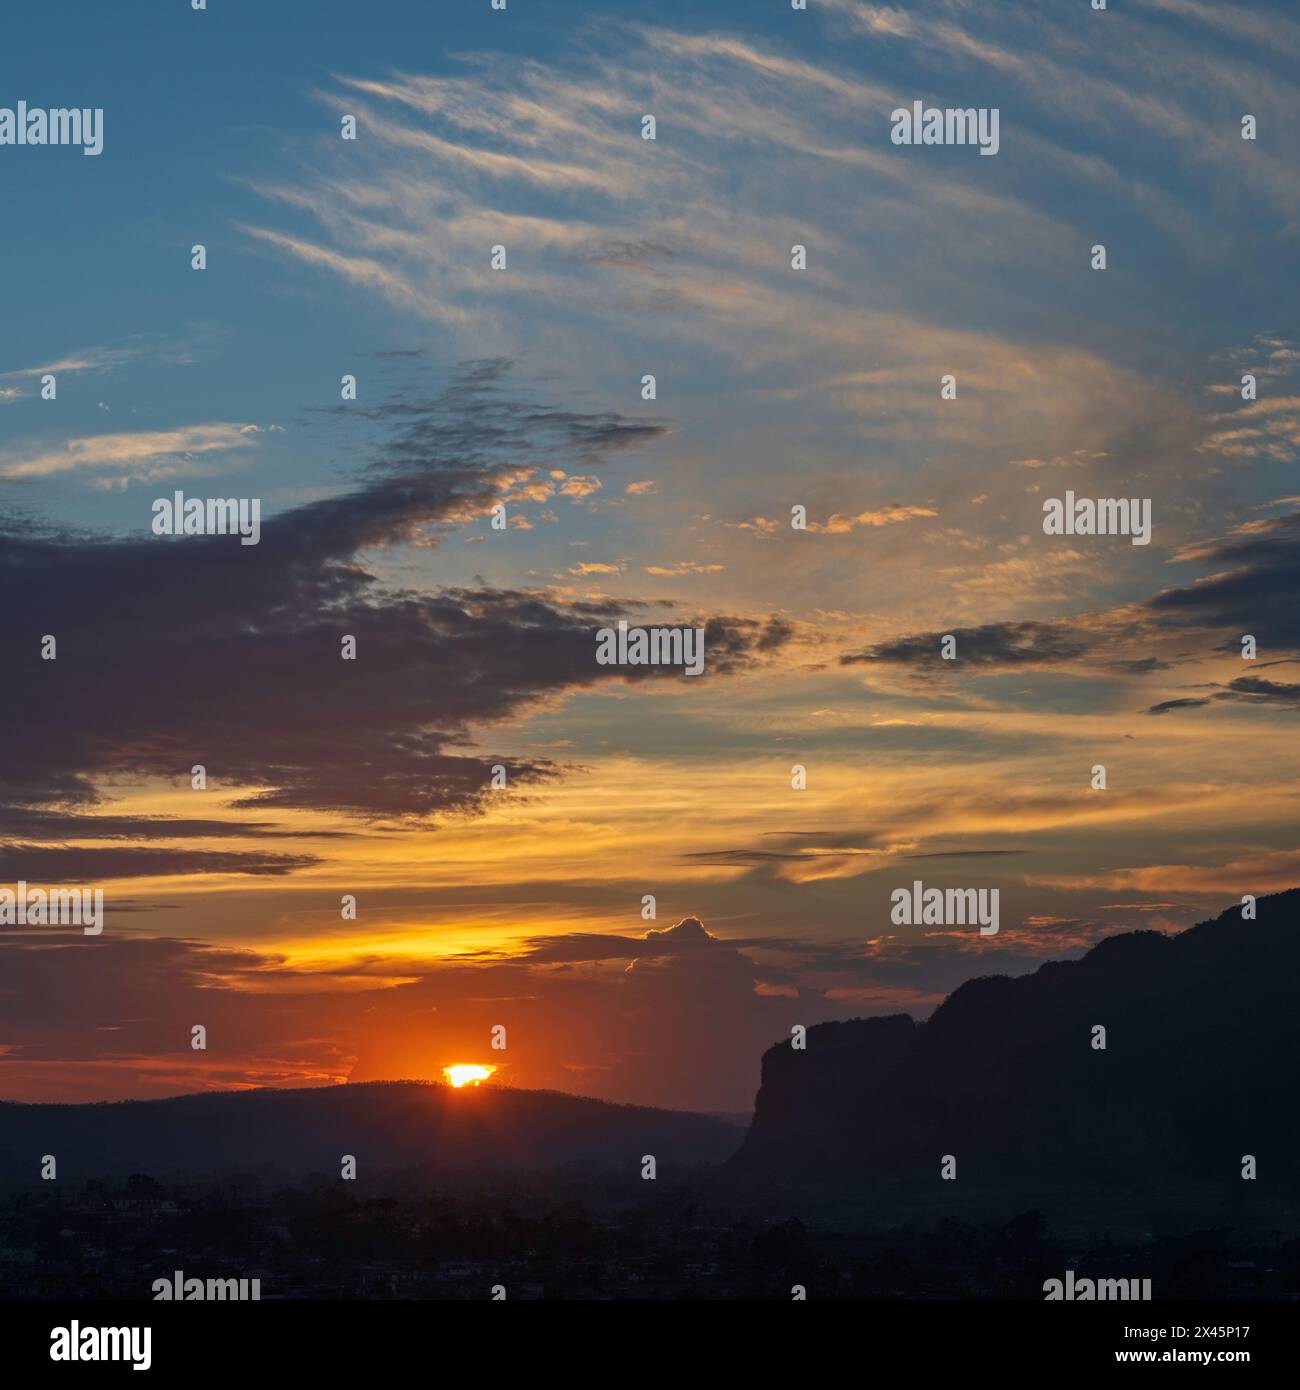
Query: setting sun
x=467, y=1074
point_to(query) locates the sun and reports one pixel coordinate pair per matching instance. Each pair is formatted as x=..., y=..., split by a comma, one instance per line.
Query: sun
x=467, y=1074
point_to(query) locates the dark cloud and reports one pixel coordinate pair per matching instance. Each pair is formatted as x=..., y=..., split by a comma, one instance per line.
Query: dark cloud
x=1255, y=587
x=776, y=633
x=22, y=822
x=198, y=650
x=743, y=856
x=1256, y=688
x=1165, y=706
x=1140, y=666
x=991, y=645
x=1250, y=690
x=64, y=864
x=966, y=854
x=479, y=427
x=687, y=935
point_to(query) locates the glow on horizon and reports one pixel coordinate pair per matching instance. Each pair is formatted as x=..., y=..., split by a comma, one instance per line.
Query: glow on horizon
x=465, y=1073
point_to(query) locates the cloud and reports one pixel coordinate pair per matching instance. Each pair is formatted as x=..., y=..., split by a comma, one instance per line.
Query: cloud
x=364, y=271
x=248, y=679
x=1254, y=589
x=1000, y=645
x=24, y=822
x=1248, y=690
x=71, y=865
x=87, y=360
x=683, y=567
x=133, y=456
x=837, y=525
x=594, y=567
x=1261, y=429
x=1145, y=84
x=687, y=935
x=580, y=486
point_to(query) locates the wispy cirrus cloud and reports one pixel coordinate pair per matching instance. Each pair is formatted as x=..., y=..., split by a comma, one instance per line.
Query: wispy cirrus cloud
x=88, y=360
x=128, y=456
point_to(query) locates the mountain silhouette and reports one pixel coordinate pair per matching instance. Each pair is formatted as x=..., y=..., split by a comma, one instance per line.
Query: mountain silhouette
x=387, y=1126
x=1199, y=1069
x=1202, y=1038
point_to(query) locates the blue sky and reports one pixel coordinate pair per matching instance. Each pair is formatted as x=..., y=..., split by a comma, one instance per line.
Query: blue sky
x=264, y=339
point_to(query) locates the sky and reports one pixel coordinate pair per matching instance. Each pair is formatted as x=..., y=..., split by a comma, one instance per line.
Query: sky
x=522, y=387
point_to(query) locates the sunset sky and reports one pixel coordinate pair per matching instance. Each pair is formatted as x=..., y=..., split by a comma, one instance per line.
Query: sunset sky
x=776, y=387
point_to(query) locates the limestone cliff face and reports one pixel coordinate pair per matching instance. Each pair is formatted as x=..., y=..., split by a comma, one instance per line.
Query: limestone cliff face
x=820, y=1105
x=1201, y=1066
